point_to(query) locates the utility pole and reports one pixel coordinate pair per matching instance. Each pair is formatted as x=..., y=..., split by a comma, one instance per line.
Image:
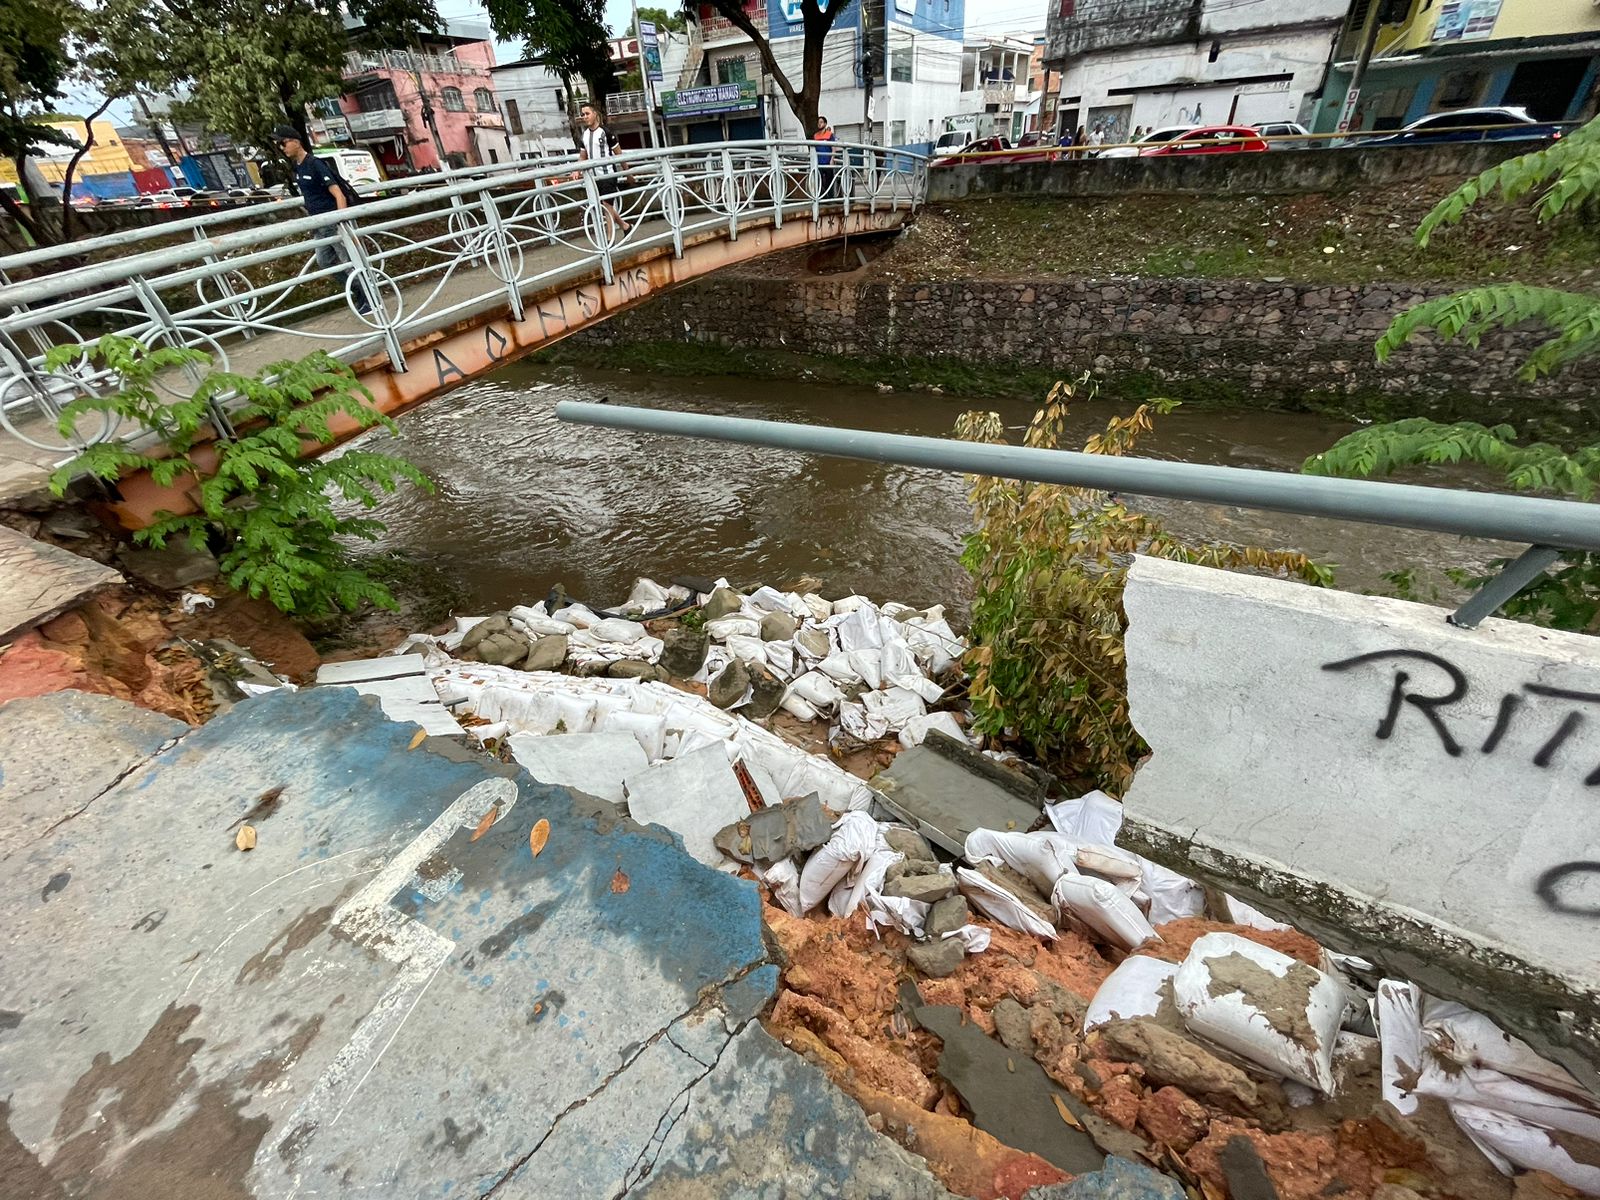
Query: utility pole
x=867, y=75
x=155, y=126
x=1369, y=40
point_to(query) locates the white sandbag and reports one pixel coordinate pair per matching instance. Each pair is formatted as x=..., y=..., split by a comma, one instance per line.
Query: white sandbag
x=1041, y=857
x=1172, y=896
x=647, y=596
x=855, y=837
x=916, y=730
x=491, y=732
x=526, y=612
x=849, y=604
x=1093, y=817
x=893, y=608
x=847, y=896
x=617, y=629
x=1290, y=1034
x=817, y=608
x=799, y=707
x=577, y=614
x=1510, y=1142
x=543, y=626
x=780, y=659
x=1111, y=914
x=748, y=649
x=1096, y=818
x=838, y=790
x=649, y=731
x=1111, y=863
x=734, y=624
x=817, y=690
x=994, y=901
x=975, y=939
x=867, y=665
x=769, y=599
x=896, y=912
x=838, y=668
x=1135, y=989
x=465, y=624
x=1240, y=913
x=856, y=721
x=783, y=877
x=895, y=705
x=934, y=643
x=1397, y=1011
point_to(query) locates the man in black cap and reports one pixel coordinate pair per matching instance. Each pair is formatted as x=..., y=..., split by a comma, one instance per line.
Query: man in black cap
x=324, y=190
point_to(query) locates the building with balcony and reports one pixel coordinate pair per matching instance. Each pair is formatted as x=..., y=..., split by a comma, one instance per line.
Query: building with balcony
x=1435, y=55
x=995, y=85
x=424, y=109
x=1131, y=63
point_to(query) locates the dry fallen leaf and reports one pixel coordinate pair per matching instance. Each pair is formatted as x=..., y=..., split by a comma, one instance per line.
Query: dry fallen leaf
x=539, y=835
x=417, y=739
x=483, y=825
x=619, y=882
x=245, y=839
x=1066, y=1113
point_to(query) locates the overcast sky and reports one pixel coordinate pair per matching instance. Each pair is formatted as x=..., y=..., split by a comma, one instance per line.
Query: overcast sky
x=983, y=17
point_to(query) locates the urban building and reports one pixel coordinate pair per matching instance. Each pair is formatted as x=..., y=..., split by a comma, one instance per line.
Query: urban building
x=534, y=102
x=1131, y=63
x=1435, y=55
x=995, y=85
x=423, y=109
x=891, y=74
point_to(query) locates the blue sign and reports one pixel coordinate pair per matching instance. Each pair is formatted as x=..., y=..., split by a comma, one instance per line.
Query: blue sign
x=650, y=46
x=785, y=18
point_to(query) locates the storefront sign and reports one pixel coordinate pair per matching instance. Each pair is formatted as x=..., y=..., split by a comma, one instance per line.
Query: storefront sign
x=709, y=101
x=651, y=47
x=1466, y=20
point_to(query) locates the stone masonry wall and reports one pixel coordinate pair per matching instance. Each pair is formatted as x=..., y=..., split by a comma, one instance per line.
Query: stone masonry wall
x=1238, y=342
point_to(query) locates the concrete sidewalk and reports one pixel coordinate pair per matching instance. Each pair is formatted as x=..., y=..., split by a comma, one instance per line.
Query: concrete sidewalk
x=371, y=1002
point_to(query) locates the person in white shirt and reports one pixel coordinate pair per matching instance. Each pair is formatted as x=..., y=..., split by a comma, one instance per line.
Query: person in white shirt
x=597, y=145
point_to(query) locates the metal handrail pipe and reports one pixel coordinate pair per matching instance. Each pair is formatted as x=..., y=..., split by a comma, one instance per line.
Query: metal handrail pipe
x=1566, y=524
x=31, y=291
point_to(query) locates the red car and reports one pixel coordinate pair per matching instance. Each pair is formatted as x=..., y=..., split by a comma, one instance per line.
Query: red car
x=997, y=150
x=1211, y=139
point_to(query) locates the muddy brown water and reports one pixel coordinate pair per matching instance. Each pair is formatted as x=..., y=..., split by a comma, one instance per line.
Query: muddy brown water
x=525, y=501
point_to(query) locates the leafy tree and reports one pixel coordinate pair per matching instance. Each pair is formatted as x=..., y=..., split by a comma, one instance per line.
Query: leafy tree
x=1048, y=565
x=1565, y=177
x=267, y=511
x=817, y=18
x=568, y=36
x=35, y=63
x=663, y=20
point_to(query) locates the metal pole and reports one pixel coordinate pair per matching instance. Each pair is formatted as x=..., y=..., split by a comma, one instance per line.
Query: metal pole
x=644, y=82
x=1518, y=574
x=1565, y=524
x=1368, y=42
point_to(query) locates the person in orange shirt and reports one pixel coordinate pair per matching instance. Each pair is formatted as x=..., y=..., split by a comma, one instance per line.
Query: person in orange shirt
x=825, y=168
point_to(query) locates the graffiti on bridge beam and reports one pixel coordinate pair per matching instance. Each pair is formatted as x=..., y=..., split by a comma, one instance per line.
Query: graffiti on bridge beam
x=1549, y=889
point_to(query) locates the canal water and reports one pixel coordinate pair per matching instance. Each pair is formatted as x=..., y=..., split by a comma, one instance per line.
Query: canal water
x=525, y=501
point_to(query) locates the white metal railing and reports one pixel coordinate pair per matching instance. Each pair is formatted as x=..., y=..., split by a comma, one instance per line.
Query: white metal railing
x=624, y=102
x=361, y=62
x=432, y=252
x=376, y=121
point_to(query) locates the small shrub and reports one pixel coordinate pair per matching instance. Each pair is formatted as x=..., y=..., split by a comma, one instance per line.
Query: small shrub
x=270, y=514
x=1049, y=563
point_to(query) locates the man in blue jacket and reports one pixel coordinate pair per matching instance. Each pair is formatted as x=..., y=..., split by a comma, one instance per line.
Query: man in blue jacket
x=324, y=190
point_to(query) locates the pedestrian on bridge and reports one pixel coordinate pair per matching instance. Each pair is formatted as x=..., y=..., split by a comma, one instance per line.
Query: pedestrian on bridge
x=324, y=190
x=825, y=167
x=597, y=145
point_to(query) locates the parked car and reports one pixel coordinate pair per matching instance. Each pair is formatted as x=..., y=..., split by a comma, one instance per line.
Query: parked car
x=997, y=149
x=1468, y=125
x=1211, y=139
x=1035, y=139
x=951, y=142
x=1154, y=138
x=1287, y=129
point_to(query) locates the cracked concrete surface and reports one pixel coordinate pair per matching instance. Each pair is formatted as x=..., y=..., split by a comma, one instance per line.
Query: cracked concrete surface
x=41, y=581
x=373, y=1002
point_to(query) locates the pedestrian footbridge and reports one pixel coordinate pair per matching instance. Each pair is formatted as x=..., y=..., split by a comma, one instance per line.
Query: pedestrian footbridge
x=460, y=273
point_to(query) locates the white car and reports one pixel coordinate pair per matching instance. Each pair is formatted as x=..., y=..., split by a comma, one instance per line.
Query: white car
x=1153, y=138
x=952, y=142
x=1285, y=129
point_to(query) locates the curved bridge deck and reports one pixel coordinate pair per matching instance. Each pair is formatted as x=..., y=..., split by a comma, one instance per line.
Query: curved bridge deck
x=445, y=279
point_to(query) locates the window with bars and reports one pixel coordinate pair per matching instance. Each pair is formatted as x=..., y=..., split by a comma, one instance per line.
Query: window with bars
x=453, y=100
x=484, y=99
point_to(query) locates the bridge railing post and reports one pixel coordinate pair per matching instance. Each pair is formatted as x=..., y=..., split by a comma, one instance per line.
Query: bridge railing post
x=239, y=312
x=161, y=319
x=20, y=369
x=500, y=248
x=728, y=196
x=815, y=180
x=673, y=207
x=599, y=228
x=778, y=184
x=366, y=277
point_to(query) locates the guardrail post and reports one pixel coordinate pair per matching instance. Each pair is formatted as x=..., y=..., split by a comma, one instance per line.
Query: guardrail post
x=847, y=179
x=161, y=318
x=366, y=277
x=236, y=311
x=502, y=251
x=728, y=196
x=35, y=382
x=602, y=227
x=816, y=179
x=779, y=185
x=1516, y=575
x=673, y=207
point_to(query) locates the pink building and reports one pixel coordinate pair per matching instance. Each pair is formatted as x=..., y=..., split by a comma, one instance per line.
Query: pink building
x=423, y=109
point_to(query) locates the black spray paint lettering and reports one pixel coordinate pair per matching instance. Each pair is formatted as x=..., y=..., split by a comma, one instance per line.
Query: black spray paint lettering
x=495, y=343
x=444, y=368
x=634, y=283
x=1549, y=889
x=1429, y=702
x=587, y=304
x=559, y=315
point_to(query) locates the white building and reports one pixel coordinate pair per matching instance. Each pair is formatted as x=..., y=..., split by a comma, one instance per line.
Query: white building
x=1130, y=63
x=914, y=50
x=994, y=85
x=535, y=106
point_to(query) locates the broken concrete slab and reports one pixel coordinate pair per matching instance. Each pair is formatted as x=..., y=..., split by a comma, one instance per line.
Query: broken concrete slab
x=62, y=751
x=174, y=568
x=400, y=683
x=1009, y=1094
x=694, y=795
x=361, y=670
x=776, y=832
x=374, y=996
x=39, y=581
x=593, y=763
x=944, y=797
x=1119, y=1179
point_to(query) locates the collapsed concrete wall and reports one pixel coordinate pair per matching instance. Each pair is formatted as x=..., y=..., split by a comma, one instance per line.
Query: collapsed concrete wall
x=1419, y=794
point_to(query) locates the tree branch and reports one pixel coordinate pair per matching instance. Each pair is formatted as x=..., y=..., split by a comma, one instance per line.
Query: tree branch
x=733, y=10
x=67, y=214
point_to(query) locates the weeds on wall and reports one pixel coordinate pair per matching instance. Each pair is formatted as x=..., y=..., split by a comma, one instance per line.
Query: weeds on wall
x=280, y=523
x=1049, y=563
